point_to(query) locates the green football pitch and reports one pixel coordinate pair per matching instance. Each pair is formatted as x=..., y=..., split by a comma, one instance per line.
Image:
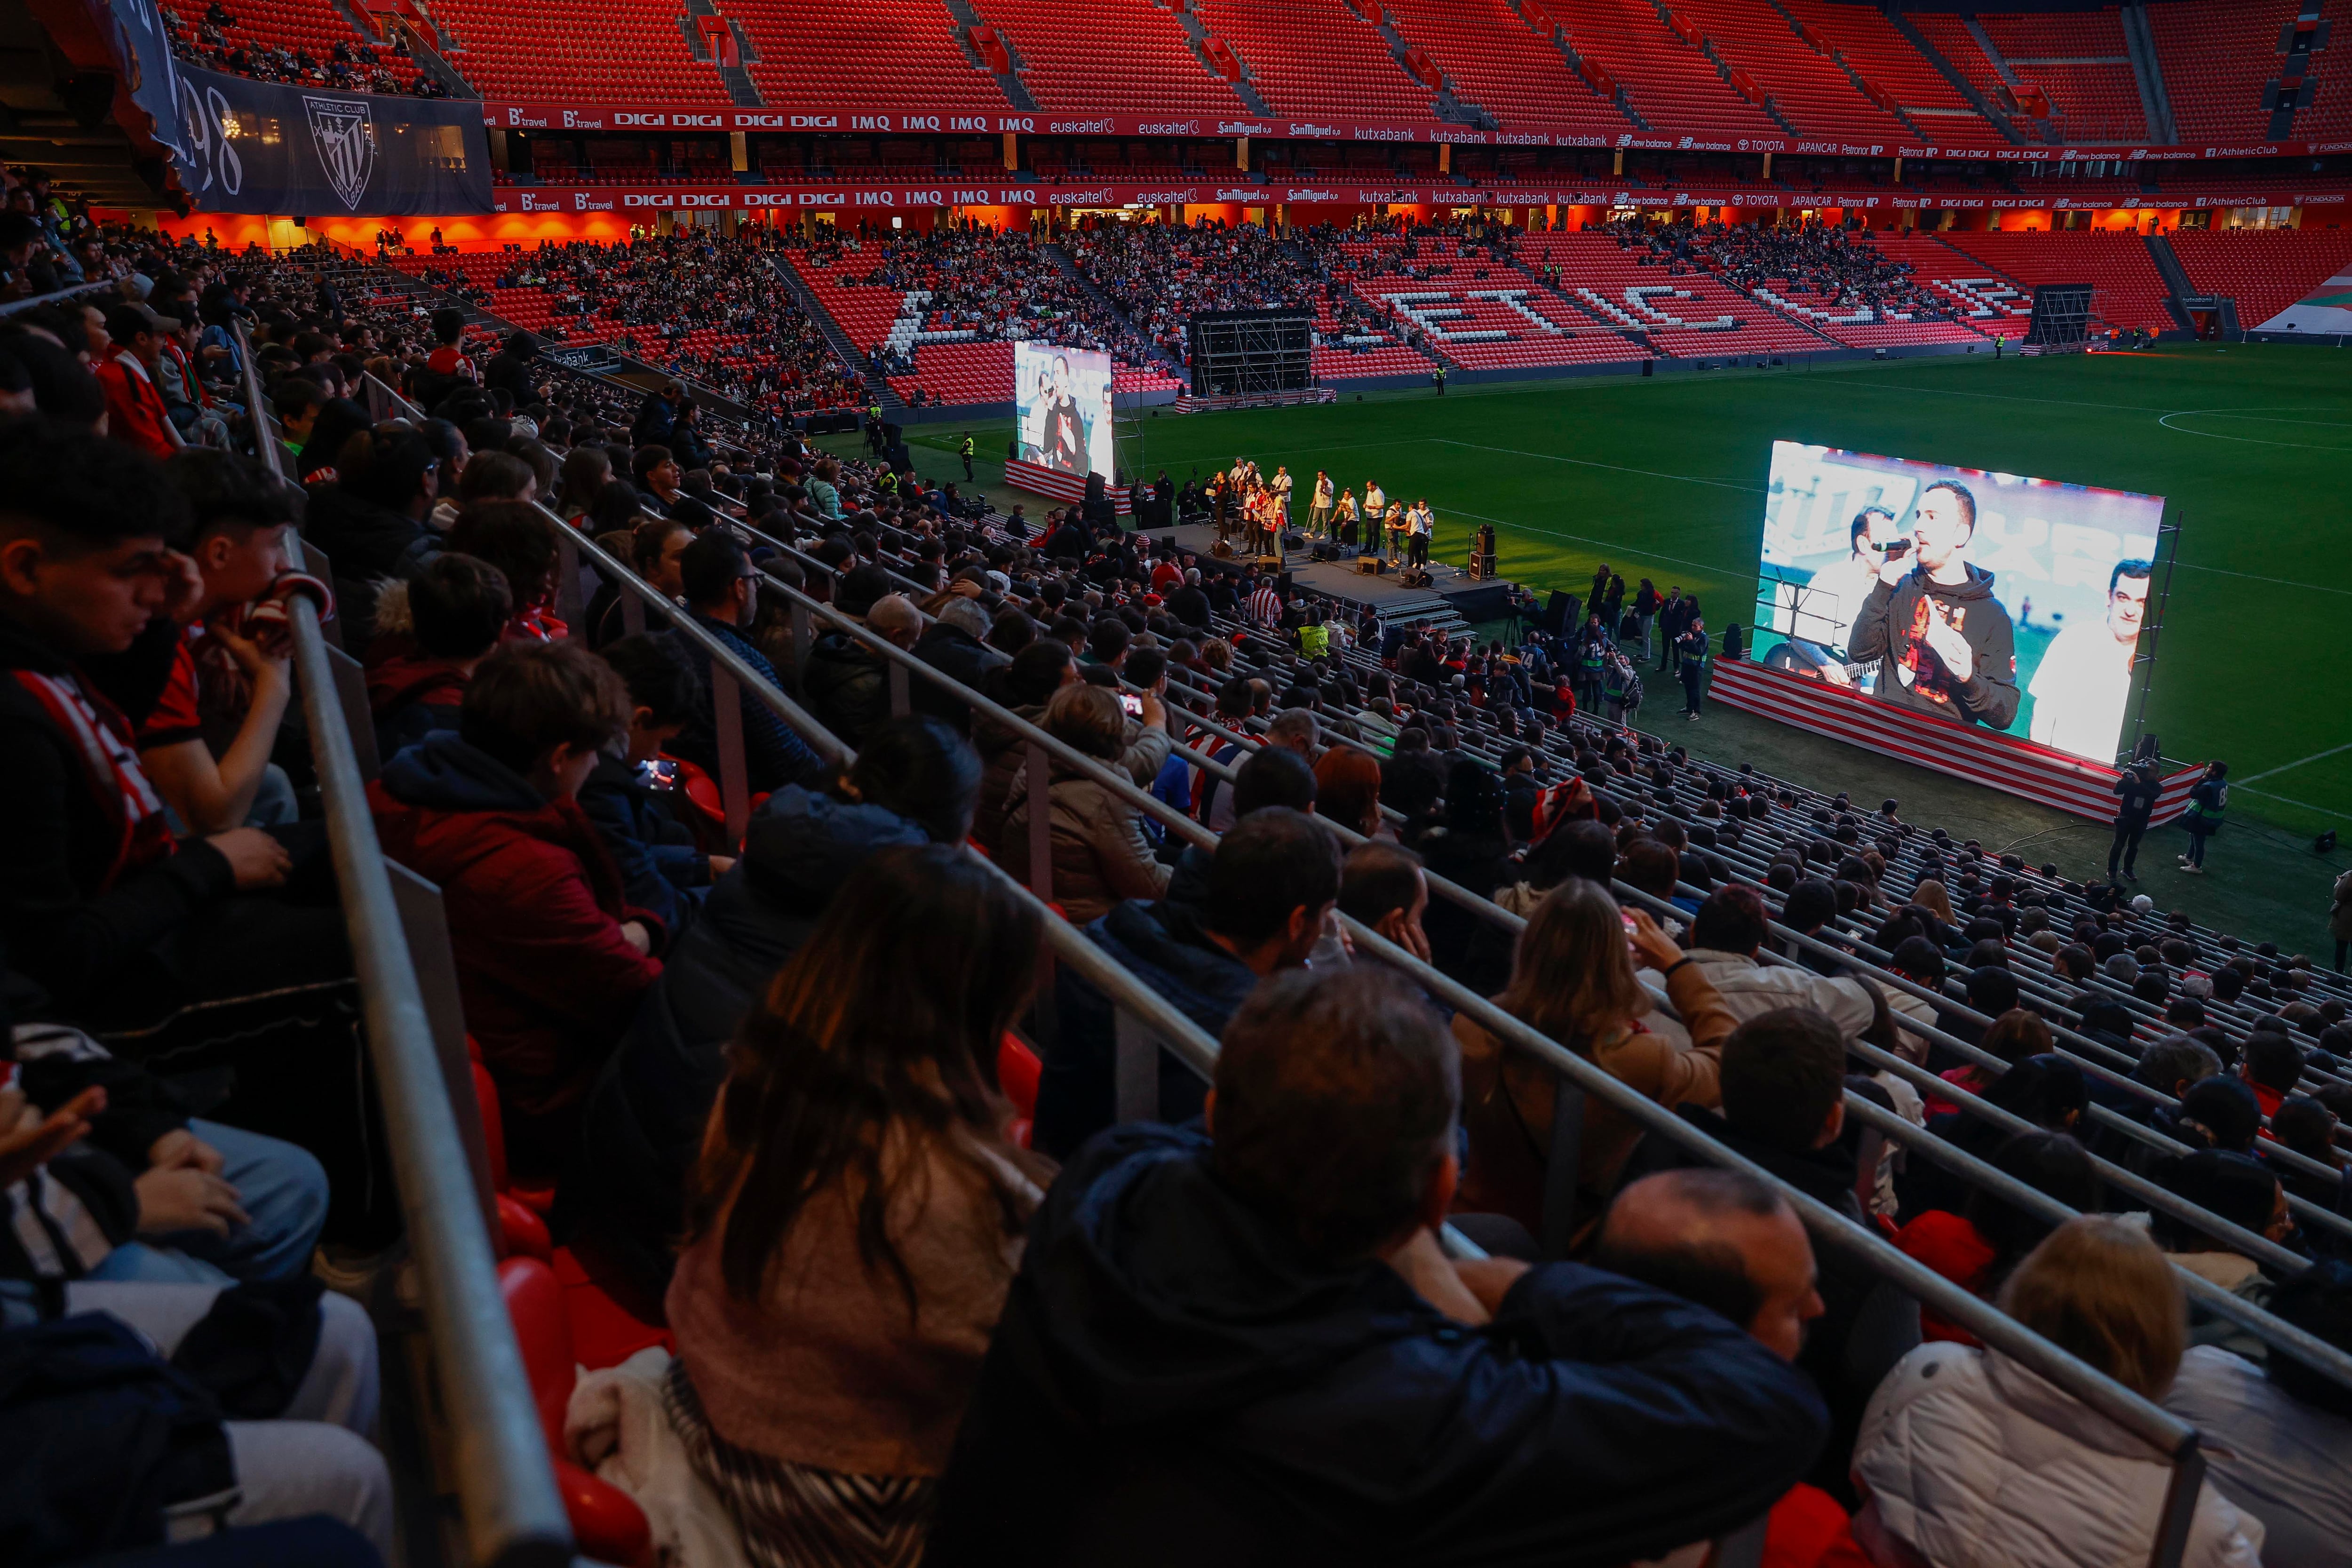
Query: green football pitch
x=1664, y=478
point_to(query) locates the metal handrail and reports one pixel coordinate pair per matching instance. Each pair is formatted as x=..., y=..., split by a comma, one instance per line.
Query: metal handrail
x=12, y=307
x=1201, y=835
x=2172, y=1439
x=2073, y=1043
x=513, y=1515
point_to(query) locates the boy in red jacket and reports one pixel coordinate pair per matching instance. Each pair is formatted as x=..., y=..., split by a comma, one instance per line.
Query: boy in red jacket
x=551, y=961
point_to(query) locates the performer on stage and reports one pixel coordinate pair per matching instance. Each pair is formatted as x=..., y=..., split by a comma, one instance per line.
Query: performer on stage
x=1421, y=522
x=1346, y=519
x=1319, y=510
x=1394, y=521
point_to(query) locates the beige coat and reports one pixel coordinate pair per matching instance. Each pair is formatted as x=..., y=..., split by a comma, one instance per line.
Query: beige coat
x=1100, y=855
x=1506, y=1103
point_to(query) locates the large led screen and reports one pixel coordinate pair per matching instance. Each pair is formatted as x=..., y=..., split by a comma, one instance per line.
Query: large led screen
x=1989, y=599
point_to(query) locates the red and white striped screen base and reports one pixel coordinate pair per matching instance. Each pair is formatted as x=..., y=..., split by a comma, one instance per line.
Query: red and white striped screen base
x=2008, y=762
x=1044, y=481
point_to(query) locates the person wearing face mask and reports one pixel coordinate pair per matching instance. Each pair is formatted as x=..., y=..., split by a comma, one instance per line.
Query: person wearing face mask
x=1949, y=646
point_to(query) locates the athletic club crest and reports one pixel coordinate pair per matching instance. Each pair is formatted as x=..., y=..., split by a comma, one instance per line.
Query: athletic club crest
x=345, y=136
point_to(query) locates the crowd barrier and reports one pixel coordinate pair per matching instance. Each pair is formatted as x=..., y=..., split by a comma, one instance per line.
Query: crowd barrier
x=1147, y=1025
x=478, y=1419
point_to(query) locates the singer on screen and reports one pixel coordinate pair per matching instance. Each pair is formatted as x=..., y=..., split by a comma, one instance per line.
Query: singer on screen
x=1064, y=445
x=1947, y=643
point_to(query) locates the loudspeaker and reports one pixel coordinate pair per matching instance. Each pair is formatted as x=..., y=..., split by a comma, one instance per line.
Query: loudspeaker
x=1369, y=565
x=1324, y=551
x=1283, y=582
x=1559, y=613
x=1269, y=562
x=1222, y=550
x=1293, y=540
x=1482, y=567
x=1414, y=577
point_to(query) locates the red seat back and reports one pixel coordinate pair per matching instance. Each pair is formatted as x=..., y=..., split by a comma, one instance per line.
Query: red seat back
x=542, y=1329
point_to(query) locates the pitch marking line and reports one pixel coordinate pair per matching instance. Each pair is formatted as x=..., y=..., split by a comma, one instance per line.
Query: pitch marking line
x=1589, y=463
x=2290, y=767
x=2263, y=415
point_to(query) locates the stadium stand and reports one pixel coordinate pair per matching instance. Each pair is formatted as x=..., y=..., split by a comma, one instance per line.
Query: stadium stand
x=885, y=55
x=1315, y=57
x=1682, y=311
x=2264, y=270
x=633, y=47
x=682, y=817
x=1865, y=42
x=1987, y=302
x=1809, y=89
x=1509, y=66
x=2079, y=59
x=2216, y=63
x=2125, y=289
x=2329, y=117
x=1126, y=48
x=303, y=41
x=1665, y=76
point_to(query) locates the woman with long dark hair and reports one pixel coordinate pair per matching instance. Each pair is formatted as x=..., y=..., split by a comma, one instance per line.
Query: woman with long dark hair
x=856, y=1215
x=1572, y=979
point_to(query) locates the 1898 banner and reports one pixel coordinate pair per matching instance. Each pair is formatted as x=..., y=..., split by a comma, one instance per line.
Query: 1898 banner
x=244, y=146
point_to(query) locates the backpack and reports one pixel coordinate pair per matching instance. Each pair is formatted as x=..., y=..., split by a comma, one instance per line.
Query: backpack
x=103, y=1447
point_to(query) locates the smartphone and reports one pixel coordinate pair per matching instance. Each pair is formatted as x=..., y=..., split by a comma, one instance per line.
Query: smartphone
x=1132, y=703
x=1625, y=917
x=658, y=773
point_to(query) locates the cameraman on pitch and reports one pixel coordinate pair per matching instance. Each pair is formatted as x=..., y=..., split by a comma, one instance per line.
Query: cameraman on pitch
x=1948, y=645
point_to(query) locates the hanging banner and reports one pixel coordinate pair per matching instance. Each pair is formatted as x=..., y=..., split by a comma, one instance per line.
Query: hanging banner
x=258, y=147
x=244, y=146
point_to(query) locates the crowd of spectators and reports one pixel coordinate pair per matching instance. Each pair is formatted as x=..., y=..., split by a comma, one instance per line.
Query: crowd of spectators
x=984, y=284
x=668, y=295
x=1160, y=274
x=218, y=42
x=781, y=1088
x=1821, y=266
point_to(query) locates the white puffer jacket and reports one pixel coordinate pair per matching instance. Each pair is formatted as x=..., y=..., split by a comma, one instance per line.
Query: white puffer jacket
x=1969, y=1461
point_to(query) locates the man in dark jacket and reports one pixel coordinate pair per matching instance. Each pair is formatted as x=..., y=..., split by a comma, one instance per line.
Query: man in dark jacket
x=371, y=522
x=658, y=415
x=915, y=782
x=1271, y=886
x=721, y=595
x=1246, y=1344
x=1947, y=644
x=847, y=683
x=952, y=645
x=511, y=369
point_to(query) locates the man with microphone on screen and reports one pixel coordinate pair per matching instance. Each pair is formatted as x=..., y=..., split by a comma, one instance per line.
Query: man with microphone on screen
x=2085, y=677
x=1947, y=644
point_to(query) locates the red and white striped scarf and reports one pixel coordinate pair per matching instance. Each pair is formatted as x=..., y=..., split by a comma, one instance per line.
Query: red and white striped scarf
x=102, y=736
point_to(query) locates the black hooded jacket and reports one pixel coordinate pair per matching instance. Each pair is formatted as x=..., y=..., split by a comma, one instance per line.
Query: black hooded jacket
x=1174, y=1380
x=1891, y=626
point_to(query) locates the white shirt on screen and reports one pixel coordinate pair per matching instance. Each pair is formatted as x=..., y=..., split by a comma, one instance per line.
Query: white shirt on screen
x=1827, y=605
x=2080, y=690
